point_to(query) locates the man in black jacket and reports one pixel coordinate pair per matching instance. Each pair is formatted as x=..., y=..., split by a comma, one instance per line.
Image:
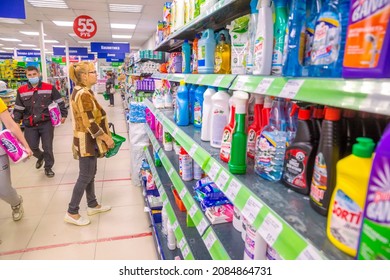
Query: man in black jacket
x=31, y=106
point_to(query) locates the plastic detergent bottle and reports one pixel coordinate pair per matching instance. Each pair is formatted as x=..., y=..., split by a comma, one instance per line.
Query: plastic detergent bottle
x=343, y=8
x=254, y=128
x=264, y=39
x=237, y=161
x=367, y=49
x=300, y=155
x=180, y=13
x=186, y=56
x=295, y=40
x=167, y=141
x=374, y=237
x=291, y=120
x=328, y=154
x=195, y=55
x=252, y=36
x=349, y=132
x=206, y=116
x=317, y=118
x=367, y=123
x=206, y=51
x=198, y=106
x=346, y=206
x=222, y=64
x=228, y=131
x=315, y=7
x=185, y=165
x=326, y=41
x=219, y=116
x=271, y=146
x=191, y=93
x=182, y=113
x=281, y=21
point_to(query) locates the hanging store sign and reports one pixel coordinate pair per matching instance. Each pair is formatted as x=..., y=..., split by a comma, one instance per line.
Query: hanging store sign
x=114, y=60
x=71, y=59
x=112, y=55
x=60, y=51
x=6, y=55
x=90, y=56
x=12, y=9
x=28, y=53
x=84, y=27
x=110, y=47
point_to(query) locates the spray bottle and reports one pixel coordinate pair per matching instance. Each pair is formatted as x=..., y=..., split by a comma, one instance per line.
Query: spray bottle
x=255, y=128
x=228, y=131
x=219, y=116
x=206, y=117
x=281, y=21
x=252, y=36
x=310, y=28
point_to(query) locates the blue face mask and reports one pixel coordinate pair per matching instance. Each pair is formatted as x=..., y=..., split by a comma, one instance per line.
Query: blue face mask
x=34, y=80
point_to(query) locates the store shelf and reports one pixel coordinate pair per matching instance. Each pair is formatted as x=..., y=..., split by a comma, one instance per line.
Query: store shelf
x=215, y=80
x=217, y=17
x=149, y=59
x=14, y=79
x=283, y=217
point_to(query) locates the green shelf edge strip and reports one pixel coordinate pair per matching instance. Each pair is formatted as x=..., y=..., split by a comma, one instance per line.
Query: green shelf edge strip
x=178, y=231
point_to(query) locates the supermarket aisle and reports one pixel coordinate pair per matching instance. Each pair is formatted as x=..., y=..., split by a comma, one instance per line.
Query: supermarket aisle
x=122, y=233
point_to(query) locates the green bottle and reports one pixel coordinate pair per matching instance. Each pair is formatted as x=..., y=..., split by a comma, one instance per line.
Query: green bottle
x=237, y=162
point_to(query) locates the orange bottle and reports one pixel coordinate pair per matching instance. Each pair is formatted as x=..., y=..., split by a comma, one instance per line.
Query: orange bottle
x=194, y=61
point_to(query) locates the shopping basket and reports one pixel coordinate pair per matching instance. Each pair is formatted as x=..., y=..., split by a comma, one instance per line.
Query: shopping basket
x=118, y=140
x=106, y=96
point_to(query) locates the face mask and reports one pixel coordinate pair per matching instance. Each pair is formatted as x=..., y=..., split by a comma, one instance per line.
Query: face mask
x=34, y=80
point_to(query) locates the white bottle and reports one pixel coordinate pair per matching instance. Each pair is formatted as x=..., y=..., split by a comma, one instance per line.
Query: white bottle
x=219, y=117
x=255, y=245
x=206, y=119
x=171, y=239
x=264, y=39
x=180, y=14
x=198, y=172
x=206, y=5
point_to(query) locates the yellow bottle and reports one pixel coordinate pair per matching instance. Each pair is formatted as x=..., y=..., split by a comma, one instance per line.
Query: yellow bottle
x=222, y=63
x=346, y=206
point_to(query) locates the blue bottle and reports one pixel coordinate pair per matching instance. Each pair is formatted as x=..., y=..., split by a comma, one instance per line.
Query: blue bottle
x=271, y=145
x=198, y=106
x=344, y=6
x=191, y=92
x=310, y=26
x=186, y=56
x=182, y=112
x=206, y=51
x=326, y=42
x=295, y=40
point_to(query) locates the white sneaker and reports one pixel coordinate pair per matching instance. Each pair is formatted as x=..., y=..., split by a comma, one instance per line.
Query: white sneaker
x=18, y=211
x=93, y=211
x=79, y=222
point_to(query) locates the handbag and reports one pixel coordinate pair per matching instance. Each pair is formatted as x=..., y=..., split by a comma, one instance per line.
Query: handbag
x=112, y=90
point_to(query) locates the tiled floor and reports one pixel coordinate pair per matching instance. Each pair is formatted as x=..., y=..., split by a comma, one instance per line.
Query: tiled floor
x=122, y=233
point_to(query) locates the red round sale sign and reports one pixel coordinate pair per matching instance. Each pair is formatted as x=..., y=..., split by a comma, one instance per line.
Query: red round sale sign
x=85, y=27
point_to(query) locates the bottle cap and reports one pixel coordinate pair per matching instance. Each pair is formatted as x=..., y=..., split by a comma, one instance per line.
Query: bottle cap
x=304, y=114
x=221, y=89
x=182, y=83
x=332, y=114
x=318, y=112
x=349, y=114
x=363, y=148
x=185, y=41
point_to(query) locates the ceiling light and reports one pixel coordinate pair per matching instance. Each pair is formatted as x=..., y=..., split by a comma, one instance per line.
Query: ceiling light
x=6, y=48
x=11, y=21
x=51, y=41
x=1, y=51
x=121, y=36
x=38, y=49
x=83, y=42
x=31, y=33
x=59, y=46
x=57, y=4
x=27, y=45
x=10, y=40
x=122, y=26
x=125, y=8
x=63, y=23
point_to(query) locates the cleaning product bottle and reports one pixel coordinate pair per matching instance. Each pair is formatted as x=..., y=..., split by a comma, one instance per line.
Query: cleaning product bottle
x=350, y=131
x=264, y=39
x=252, y=36
x=326, y=41
x=237, y=161
x=347, y=203
x=219, y=116
x=295, y=40
x=228, y=131
x=300, y=155
x=191, y=93
x=367, y=49
x=271, y=146
x=310, y=28
x=281, y=21
x=367, y=124
x=198, y=106
x=291, y=120
x=195, y=54
x=254, y=128
x=239, y=34
x=206, y=51
x=206, y=116
x=343, y=8
x=182, y=100
x=265, y=113
x=317, y=118
x=222, y=64
x=328, y=154
x=157, y=160
x=186, y=56
x=167, y=141
x=374, y=237
x=173, y=16
x=185, y=165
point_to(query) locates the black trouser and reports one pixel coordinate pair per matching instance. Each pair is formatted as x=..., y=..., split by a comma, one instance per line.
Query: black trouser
x=44, y=131
x=112, y=99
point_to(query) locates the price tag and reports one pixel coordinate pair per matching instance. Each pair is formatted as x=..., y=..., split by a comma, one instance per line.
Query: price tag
x=251, y=209
x=170, y=172
x=199, y=79
x=175, y=225
x=210, y=240
x=240, y=85
x=222, y=180
x=193, y=150
x=270, y=229
x=214, y=171
x=201, y=227
x=183, y=193
x=310, y=253
x=182, y=243
x=185, y=251
x=264, y=85
x=291, y=88
x=174, y=132
x=233, y=189
x=193, y=210
x=217, y=81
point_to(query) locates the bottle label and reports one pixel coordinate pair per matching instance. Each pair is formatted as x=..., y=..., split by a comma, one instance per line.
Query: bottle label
x=346, y=220
x=295, y=169
x=326, y=42
x=251, y=145
x=309, y=45
x=285, y=47
x=183, y=65
x=277, y=60
x=218, y=62
x=195, y=61
x=220, y=121
x=226, y=144
x=197, y=113
x=201, y=55
x=258, y=53
x=185, y=167
x=320, y=180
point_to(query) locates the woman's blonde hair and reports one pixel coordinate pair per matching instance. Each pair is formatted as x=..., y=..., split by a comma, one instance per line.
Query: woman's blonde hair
x=76, y=69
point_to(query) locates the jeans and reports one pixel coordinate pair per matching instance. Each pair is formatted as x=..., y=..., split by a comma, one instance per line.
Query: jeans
x=85, y=182
x=112, y=99
x=7, y=192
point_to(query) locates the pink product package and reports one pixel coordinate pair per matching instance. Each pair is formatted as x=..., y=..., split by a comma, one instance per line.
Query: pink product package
x=12, y=146
x=220, y=214
x=55, y=114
